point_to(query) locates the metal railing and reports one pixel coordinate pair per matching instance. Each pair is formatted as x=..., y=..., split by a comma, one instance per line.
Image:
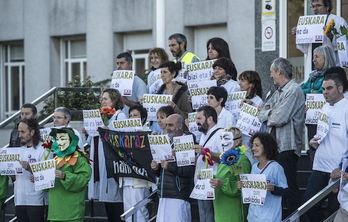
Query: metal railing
x=311, y=202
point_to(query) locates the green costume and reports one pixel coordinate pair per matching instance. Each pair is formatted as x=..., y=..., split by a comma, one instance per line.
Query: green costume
x=228, y=205
x=3, y=189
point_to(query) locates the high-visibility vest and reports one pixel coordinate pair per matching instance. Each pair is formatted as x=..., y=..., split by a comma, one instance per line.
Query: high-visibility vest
x=186, y=58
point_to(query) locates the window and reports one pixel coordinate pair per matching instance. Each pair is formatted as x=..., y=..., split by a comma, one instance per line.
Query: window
x=74, y=60
x=140, y=62
x=13, y=77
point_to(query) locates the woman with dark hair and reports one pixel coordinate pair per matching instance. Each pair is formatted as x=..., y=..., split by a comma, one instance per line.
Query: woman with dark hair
x=138, y=111
x=225, y=74
x=250, y=81
x=217, y=97
x=265, y=149
x=169, y=70
x=112, y=98
x=217, y=48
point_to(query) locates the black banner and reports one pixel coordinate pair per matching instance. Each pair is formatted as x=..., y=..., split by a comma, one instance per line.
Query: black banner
x=127, y=154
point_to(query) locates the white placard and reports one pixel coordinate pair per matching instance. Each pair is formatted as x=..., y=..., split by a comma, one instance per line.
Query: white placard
x=193, y=127
x=202, y=189
x=91, y=121
x=323, y=125
x=9, y=161
x=342, y=50
x=128, y=125
x=268, y=35
x=248, y=121
x=233, y=103
x=184, y=150
x=43, y=172
x=254, y=189
x=200, y=71
x=152, y=102
x=344, y=166
x=154, y=81
x=310, y=29
x=314, y=103
x=160, y=147
x=45, y=134
x=198, y=91
x=122, y=80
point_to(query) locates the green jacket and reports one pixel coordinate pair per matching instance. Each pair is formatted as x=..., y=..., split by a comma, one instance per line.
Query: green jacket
x=308, y=86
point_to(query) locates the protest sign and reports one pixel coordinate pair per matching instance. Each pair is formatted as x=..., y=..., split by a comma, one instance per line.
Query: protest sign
x=129, y=125
x=342, y=50
x=310, y=29
x=45, y=134
x=184, y=150
x=43, y=172
x=200, y=71
x=193, y=127
x=91, y=121
x=323, y=125
x=314, y=103
x=154, y=81
x=198, y=91
x=152, y=102
x=233, y=103
x=248, y=121
x=127, y=154
x=160, y=147
x=254, y=189
x=202, y=189
x=9, y=161
x=122, y=80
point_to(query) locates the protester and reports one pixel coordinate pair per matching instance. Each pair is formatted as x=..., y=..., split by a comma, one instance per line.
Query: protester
x=265, y=149
x=162, y=114
x=225, y=183
x=178, y=47
x=342, y=213
x=67, y=197
x=217, y=48
x=225, y=74
x=156, y=56
x=138, y=111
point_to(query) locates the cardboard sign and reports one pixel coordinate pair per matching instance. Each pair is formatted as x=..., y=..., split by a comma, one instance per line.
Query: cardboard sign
x=152, y=102
x=127, y=125
x=122, y=80
x=193, y=127
x=91, y=121
x=202, y=189
x=248, y=121
x=154, y=81
x=184, y=150
x=45, y=134
x=310, y=29
x=254, y=189
x=198, y=91
x=323, y=125
x=200, y=71
x=233, y=103
x=314, y=103
x=43, y=172
x=342, y=50
x=9, y=161
x=160, y=147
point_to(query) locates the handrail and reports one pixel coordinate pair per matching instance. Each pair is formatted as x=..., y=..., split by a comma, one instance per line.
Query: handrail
x=133, y=210
x=311, y=202
x=44, y=96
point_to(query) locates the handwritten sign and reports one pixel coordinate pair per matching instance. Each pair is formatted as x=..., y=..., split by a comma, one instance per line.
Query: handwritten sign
x=91, y=121
x=9, y=161
x=122, y=80
x=160, y=147
x=43, y=172
x=198, y=91
x=254, y=189
x=193, y=127
x=314, y=103
x=342, y=50
x=152, y=102
x=184, y=150
x=310, y=29
x=248, y=121
x=233, y=103
x=200, y=71
x=45, y=134
x=202, y=189
x=323, y=125
x=127, y=125
x=154, y=81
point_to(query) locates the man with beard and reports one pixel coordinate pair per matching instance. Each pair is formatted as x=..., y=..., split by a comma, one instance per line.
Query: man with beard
x=175, y=183
x=29, y=203
x=210, y=142
x=177, y=45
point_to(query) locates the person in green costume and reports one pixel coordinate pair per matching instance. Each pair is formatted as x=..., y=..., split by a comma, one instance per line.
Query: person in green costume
x=67, y=197
x=3, y=189
x=228, y=205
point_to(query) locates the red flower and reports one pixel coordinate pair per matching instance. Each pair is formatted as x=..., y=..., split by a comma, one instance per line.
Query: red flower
x=47, y=144
x=108, y=111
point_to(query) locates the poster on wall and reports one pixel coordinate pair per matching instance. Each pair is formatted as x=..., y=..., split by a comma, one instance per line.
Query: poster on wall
x=268, y=34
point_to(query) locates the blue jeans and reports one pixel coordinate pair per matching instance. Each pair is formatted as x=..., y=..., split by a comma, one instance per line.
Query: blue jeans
x=206, y=210
x=316, y=182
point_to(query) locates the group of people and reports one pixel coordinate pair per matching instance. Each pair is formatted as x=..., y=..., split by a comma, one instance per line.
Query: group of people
x=274, y=151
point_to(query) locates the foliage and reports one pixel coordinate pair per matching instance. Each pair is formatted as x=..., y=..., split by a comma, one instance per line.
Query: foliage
x=75, y=100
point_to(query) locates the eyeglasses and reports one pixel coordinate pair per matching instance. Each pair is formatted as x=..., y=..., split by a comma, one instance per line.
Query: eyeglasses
x=316, y=6
x=58, y=117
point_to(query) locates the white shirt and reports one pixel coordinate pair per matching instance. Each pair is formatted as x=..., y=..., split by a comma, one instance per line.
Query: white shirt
x=225, y=119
